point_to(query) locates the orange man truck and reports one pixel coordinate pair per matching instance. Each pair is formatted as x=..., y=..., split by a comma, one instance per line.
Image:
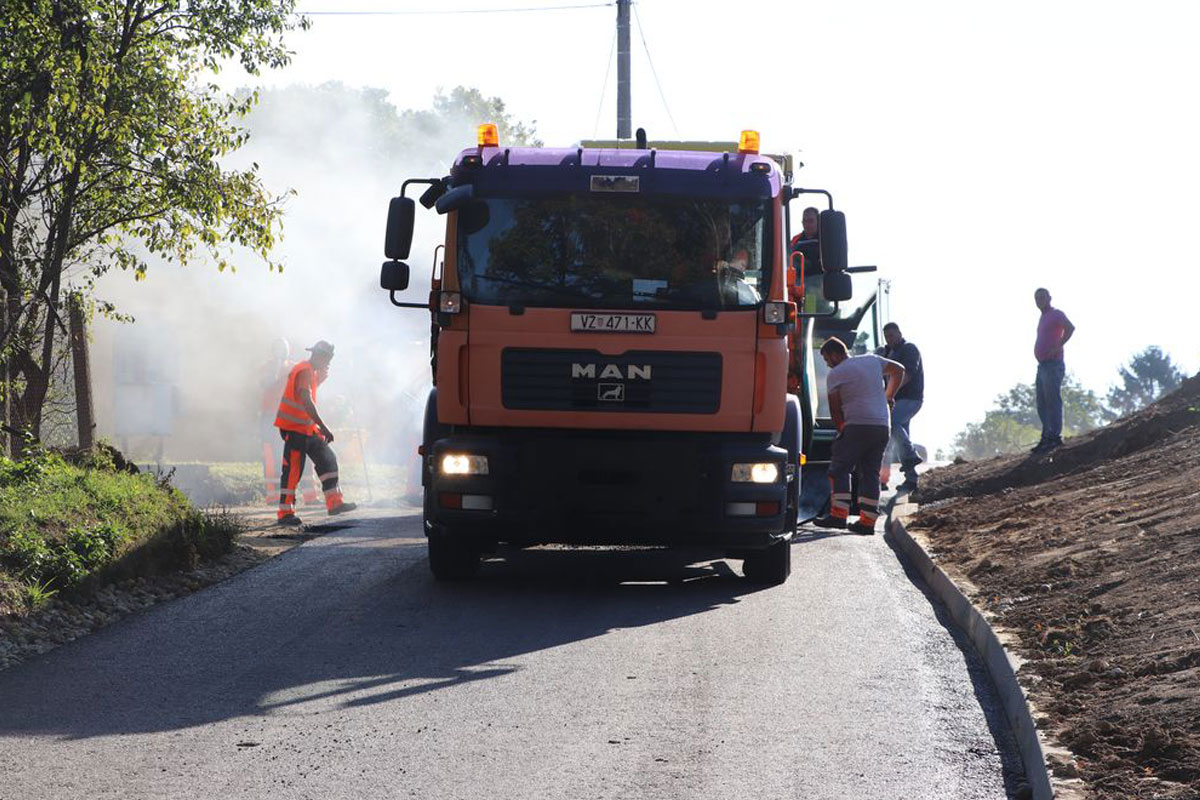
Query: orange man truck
x=612, y=340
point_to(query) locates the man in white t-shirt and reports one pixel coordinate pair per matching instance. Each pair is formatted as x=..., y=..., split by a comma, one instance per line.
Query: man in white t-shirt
x=859, y=403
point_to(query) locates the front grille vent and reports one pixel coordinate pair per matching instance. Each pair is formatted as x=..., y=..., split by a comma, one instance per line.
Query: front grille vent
x=653, y=381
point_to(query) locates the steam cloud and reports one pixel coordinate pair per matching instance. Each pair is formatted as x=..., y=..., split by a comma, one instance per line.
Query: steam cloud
x=196, y=351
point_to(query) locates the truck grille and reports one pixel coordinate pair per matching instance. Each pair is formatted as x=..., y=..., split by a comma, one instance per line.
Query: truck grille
x=585, y=380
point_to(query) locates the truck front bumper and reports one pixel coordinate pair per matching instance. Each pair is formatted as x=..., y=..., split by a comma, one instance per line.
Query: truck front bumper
x=583, y=488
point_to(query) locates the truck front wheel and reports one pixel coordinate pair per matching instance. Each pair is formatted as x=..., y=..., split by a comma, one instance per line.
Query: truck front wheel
x=771, y=566
x=451, y=557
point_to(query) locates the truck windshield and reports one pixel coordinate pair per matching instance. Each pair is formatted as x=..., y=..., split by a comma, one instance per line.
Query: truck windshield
x=615, y=251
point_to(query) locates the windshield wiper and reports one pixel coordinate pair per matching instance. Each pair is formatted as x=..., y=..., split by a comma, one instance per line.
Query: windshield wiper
x=641, y=299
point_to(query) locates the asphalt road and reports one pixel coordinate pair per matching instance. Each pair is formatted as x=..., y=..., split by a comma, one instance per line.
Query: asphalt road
x=341, y=670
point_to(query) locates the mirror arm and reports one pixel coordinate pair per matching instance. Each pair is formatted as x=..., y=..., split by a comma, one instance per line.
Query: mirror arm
x=861, y=269
x=398, y=304
x=797, y=192
x=813, y=315
x=430, y=181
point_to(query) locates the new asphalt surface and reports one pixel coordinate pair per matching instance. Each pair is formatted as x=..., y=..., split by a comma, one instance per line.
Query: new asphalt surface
x=342, y=670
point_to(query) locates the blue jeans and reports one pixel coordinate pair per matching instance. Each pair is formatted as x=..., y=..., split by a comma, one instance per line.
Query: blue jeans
x=900, y=444
x=1049, y=398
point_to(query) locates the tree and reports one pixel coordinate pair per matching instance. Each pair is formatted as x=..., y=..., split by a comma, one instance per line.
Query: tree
x=997, y=434
x=462, y=110
x=110, y=155
x=1014, y=425
x=317, y=119
x=1149, y=375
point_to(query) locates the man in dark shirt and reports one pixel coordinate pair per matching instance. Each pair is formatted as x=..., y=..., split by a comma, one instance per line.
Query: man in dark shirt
x=808, y=240
x=908, y=403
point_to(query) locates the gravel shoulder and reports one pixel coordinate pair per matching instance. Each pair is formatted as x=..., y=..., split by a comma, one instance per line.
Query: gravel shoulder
x=1090, y=559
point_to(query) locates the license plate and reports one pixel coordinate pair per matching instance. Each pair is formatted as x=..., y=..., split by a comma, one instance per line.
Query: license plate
x=612, y=323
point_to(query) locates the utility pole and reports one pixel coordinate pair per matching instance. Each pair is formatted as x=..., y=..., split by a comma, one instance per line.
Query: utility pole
x=624, y=112
x=84, y=413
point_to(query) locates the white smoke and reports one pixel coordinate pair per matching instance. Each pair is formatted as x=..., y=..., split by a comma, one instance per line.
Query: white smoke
x=206, y=335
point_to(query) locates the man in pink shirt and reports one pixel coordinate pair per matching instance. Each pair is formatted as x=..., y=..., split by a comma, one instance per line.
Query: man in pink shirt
x=1054, y=330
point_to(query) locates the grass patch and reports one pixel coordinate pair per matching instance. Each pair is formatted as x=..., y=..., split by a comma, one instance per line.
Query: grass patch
x=69, y=527
x=241, y=479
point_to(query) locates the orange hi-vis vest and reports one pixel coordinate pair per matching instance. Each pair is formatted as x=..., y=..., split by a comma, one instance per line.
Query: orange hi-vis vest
x=291, y=415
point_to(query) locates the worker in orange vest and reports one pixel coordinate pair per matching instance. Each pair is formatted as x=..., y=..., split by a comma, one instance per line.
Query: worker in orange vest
x=306, y=435
x=273, y=375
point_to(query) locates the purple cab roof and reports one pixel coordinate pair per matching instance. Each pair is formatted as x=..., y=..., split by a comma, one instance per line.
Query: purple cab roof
x=686, y=171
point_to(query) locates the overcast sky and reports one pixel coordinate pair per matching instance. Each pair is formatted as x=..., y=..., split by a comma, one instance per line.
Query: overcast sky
x=979, y=150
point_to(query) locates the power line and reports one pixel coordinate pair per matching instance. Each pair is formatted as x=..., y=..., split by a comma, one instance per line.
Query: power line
x=452, y=12
x=653, y=71
x=604, y=86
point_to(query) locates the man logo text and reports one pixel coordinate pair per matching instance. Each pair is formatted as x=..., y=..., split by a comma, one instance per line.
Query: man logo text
x=610, y=371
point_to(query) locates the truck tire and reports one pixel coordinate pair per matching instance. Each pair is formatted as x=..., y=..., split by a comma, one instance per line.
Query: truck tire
x=451, y=557
x=771, y=566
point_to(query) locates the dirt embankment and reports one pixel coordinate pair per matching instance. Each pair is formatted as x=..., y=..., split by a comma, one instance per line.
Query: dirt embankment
x=1091, y=556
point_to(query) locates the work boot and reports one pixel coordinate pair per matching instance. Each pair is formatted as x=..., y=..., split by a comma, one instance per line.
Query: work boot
x=830, y=521
x=1046, y=445
x=289, y=520
x=908, y=487
x=861, y=528
x=343, y=508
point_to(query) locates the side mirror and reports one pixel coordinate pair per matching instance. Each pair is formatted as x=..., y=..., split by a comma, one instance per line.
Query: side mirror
x=394, y=276
x=430, y=196
x=833, y=241
x=837, y=286
x=397, y=242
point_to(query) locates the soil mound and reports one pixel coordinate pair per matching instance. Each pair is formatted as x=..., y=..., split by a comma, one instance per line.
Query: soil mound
x=1091, y=557
x=1145, y=429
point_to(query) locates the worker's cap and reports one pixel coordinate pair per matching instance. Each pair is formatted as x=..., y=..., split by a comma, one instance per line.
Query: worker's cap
x=321, y=348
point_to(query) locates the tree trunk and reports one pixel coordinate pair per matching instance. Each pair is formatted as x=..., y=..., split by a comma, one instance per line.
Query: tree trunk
x=5, y=382
x=26, y=404
x=37, y=376
x=47, y=371
x=9, y=295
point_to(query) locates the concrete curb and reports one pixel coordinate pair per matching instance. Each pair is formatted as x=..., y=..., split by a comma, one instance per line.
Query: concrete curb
x=1000, y=665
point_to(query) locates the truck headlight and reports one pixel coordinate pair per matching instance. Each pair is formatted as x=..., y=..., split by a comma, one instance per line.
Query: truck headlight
x=461, y=464
x=767, y=472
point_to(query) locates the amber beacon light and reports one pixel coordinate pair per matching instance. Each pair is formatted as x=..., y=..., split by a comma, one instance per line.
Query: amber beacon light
x=748, y=142
x=488, y=135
